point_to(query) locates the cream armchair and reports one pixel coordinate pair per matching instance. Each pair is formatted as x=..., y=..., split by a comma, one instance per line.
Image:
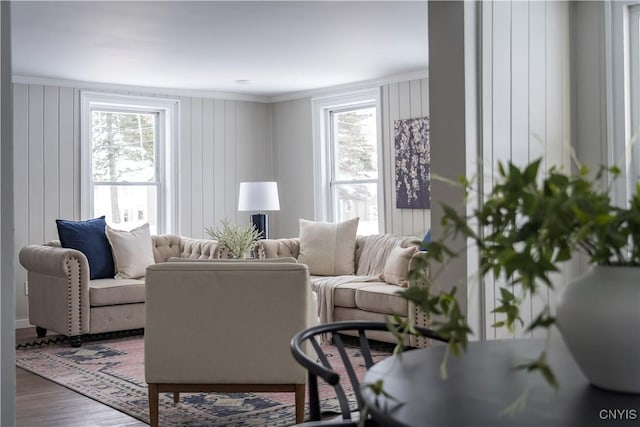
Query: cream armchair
x=221, y=326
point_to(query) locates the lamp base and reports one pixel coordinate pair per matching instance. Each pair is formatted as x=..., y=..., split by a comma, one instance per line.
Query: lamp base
x=261, y=223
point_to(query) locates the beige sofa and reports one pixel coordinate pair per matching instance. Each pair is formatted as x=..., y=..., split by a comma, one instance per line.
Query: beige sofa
x=64, y=300
x=366, y=295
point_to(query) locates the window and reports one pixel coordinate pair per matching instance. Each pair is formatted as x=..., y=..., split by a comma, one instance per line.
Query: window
x=127, y=160
x=348, y=161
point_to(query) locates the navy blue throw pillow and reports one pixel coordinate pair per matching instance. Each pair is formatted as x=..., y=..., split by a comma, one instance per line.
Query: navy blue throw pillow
x=89, y=237
x=427, y=239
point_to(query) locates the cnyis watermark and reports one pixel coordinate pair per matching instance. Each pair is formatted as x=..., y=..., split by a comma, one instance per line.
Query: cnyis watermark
x=618, y=414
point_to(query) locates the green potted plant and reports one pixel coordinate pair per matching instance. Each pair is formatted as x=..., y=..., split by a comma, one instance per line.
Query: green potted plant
x=237, y=239
x=526, y=228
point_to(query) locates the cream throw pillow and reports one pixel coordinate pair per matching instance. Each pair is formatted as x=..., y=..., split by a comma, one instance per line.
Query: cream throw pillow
x=397, y=265
x=328, y=249
x=132, y=251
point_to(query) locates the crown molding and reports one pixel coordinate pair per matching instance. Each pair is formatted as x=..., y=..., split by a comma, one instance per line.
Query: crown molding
x=350, y=87
x=325, y=91
x=139, y=89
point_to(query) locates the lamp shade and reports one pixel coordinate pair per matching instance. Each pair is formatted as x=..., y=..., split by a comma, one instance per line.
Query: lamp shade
x=258, y=196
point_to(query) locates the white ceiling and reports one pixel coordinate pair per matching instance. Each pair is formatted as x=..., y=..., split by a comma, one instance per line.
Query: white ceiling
x=282, y=47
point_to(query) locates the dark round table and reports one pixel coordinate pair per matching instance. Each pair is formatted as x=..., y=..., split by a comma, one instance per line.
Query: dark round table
x=481, y=383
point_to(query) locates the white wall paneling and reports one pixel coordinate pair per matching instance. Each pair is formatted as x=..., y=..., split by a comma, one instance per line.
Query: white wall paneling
x=195, y=169
x=525, y=100
x=473, y=146
x=66, y=171
x=35, y=187
x=420, y=221
x=229, y=181
x=184, y=171
x=499, y=147
x=519, y=99
x=486, y=169
x=251, y=164
x=208, y=156
x=21, y=184
x=222, y=142
x=391, y=100
x=51, y=150
x=217, y=185
x=537, y=85
x=404, y=112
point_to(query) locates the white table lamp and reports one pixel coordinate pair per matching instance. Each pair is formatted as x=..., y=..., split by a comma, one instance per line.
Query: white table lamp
x=259, y=196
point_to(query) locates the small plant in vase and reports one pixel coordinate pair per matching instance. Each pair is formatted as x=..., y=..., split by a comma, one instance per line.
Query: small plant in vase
x=237, y=239
x=526, y=228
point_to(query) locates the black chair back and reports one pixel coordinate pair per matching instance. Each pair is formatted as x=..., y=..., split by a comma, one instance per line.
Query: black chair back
x=320, y=366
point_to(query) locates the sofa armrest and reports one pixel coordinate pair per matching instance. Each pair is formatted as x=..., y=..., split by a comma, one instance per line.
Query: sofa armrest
x=51, y=260
x=417, y=316
x=277, y=248
x=58, y=288
x=416, y=260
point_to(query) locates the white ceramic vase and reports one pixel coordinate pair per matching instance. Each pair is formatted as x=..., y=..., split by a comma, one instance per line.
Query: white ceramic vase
x=598, y=316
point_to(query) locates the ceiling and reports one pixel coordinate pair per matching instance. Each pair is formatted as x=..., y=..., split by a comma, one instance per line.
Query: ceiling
x=280, y=47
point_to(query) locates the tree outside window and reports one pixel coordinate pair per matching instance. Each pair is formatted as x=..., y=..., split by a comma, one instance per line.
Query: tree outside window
x=123, y=153
x=354, y=183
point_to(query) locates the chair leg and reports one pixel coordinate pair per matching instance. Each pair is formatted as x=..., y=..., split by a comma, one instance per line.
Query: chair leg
x=153, y=405
x=299, y=403
x=314, y=399
x=176, y=397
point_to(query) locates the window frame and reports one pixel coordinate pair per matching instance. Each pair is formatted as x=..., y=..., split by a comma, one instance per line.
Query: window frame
x=323, y=107
x=166, y=150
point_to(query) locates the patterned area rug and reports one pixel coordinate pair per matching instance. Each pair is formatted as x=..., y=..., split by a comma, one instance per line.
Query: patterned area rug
x=112, y=372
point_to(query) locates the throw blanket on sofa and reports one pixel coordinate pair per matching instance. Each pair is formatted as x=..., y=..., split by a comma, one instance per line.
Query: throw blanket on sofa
x=325, y=288
x=375, y=252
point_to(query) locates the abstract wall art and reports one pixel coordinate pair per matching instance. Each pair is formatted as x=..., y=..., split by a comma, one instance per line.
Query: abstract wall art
x=413, y=161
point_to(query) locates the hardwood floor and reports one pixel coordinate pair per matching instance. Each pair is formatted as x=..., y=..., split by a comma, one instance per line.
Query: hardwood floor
x=42, y=403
